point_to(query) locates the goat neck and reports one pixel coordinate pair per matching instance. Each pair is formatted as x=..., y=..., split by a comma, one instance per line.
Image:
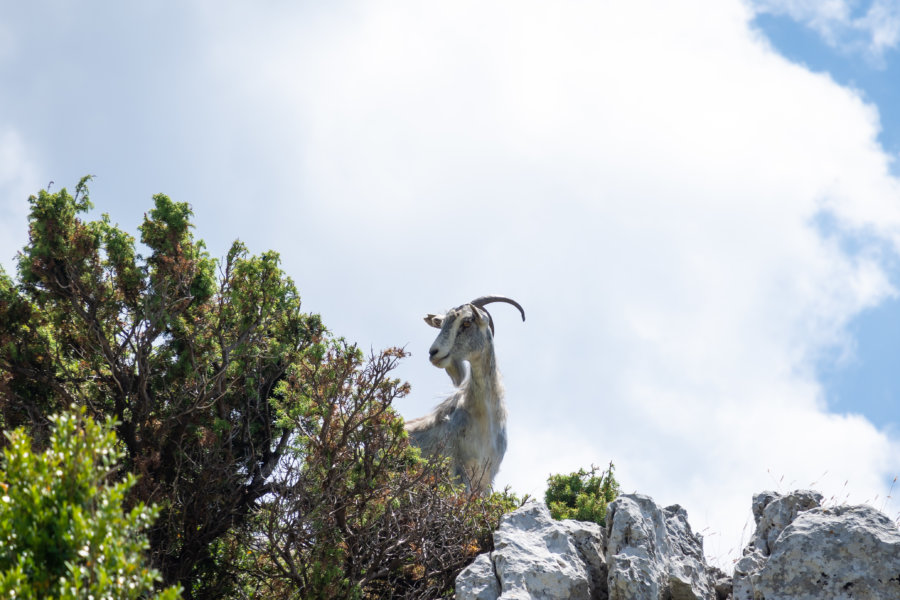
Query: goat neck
x=483, y=390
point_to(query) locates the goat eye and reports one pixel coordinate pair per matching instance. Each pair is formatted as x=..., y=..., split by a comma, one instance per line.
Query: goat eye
x=466, y=323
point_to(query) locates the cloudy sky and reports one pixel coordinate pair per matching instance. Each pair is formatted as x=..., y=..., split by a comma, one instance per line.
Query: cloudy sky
x=696, y=202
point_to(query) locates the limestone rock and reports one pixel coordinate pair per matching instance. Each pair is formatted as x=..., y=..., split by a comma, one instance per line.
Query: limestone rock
x=536, y=557
x=752, y=562
x=803, y=551
x=478, y=581
x=799, y=551
x=773, y=512
x=652, y=553
x=723, y=583
x=589, y=539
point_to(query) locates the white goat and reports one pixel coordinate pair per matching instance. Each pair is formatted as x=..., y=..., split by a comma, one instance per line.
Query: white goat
x=469, y=427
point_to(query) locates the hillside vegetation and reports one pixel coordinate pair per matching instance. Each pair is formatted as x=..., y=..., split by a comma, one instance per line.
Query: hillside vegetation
x=250, y=452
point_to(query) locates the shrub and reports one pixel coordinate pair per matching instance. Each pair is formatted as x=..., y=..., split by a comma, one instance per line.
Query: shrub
x=271, y=448
x=63, y=533
x=358, y=513
x=582, y=495
x=183, y=351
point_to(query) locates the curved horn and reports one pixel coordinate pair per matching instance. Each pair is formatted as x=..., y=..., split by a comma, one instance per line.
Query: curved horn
x=480, y=302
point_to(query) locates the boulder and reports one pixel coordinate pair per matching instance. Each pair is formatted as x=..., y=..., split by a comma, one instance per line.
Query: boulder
x=653, y=554
x=804, y=551
x=772, y=512
x=537, y=557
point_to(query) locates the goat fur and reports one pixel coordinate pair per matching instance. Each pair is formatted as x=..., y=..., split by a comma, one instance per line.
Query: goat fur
x=469, y=426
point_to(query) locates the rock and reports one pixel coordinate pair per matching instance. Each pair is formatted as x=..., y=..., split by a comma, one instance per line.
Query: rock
x=773, y=512
x=537, y=557
x=652, y=553
x=803, y=551
x=752, y=562
x=589, y=539
x=478, y=581
x=800, y=550
x=723, y=583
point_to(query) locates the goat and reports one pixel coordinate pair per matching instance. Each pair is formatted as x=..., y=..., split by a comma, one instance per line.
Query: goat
x=469, y=427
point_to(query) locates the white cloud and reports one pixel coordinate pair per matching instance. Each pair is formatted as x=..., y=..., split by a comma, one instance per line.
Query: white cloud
x=18, y=180
x=644, y=177
x=874, y=32
x=882, y=23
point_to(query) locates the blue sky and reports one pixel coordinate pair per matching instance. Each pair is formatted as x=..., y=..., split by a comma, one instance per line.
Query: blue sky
x=865, y=381
x=877, y=77
x=697, y=204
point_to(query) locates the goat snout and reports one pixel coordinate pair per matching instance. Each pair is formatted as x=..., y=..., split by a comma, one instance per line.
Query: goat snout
x=437, y=358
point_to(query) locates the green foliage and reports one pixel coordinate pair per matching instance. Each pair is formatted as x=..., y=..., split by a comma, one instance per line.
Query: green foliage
x=183, y=352
x=63, y=533
x=582, y=495
x=272, y=451
x=360, y=513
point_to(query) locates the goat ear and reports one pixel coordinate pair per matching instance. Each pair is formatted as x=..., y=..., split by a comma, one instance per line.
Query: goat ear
x=435, y=320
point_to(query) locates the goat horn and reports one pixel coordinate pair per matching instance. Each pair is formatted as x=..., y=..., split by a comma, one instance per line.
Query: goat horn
x=480, y=302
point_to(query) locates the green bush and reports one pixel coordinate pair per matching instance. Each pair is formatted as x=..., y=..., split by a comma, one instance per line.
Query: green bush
x=582, y=495
x=271, y=448
x=63, y=533
x=183, y=351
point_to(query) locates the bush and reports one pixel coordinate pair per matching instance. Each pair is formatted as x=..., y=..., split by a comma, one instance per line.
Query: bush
x=358, y=513
x=183, y=351
x=582, y=495
x=63, y=533
x=271, y=448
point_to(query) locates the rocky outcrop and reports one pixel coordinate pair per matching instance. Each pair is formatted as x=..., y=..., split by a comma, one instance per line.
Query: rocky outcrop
x=537, y=557
x=645, y=552
x=652, y=553
x=804, y=551
x=800, y=550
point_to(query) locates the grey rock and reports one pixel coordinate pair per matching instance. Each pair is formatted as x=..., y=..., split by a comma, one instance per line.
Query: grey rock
x=722, y=583
x=841, y=552
x=536, y=557
x=776, y=512
x=590, y=540
x=478, y=581
x=799, y=551
x=752, y=562
x=652, y=553
x=803, y=551
x=773, y=512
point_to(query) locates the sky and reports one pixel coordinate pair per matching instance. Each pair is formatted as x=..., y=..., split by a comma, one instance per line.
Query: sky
x=696, y=203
